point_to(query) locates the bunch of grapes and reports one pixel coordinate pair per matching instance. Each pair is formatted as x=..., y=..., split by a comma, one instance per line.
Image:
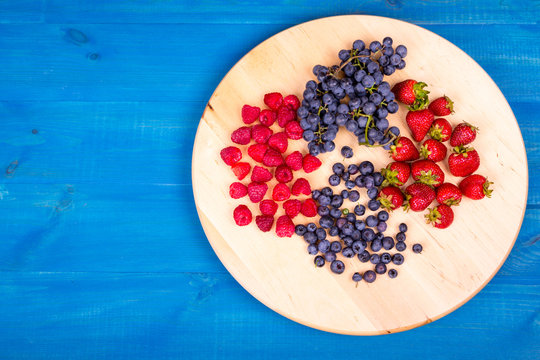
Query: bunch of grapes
x=352, y=95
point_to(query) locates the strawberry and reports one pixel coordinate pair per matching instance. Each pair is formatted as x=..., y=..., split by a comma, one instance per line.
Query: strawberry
x=237, y=190
x=440, y=130
x=267, y=117
x=310, y=163
x=294, y=160
x=281, y=192
x=293, y=130
x=309, y=208
x=284, y=226
x=250, y=114
x=273, y=100
x=301, y=186
x=272, y=158
x=264, y=222
x=292, y=102
x=284, y=115
x=231, y=155
x=427, y=172
x=463, y=134
x=411, y=92
x=241, y=169
x=433, y=150
x=256, y=191
x=475, y=187
x=396, y=173
x=241, y=135
x=242, y=215
x=390, y=197
x=278, y=141
x=261, y=133
x=283, y=173
x=404, y=150
x=441, y=216
x=448, y=194
x=268, y=207
x=257, y=151
x=441, y=106
x=292, y=207
x=419, y=196
x=260, y=174
x=464, y=161
x=419, y=122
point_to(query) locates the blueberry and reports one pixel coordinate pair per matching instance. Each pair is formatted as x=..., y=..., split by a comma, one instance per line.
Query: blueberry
x=401, y=236
x=311, y=227
x=392, y=273
x=349, y=184
x=379, y=236
x=398, y=259
x=360, y=181
x=417, y=248
x=374, y=204
x=369, y=182
x=369, y=276
x=333, y=231
x=345, y=176
x=352, y=169
x=359, y=210
x=359, y=225
x=403, y=227
x=312, y=249
x=338, y=168
x=383, y=215
x=350, y=217
x=334, y=180
x=357, y=247
x=319, y=260
x=371, y=221
x=315, y=194
x=335, y=213
x=348, y=229
x=356, y=235
x=372, y=193
x=366, y=168
x=368, y=234
x=330, y=256
x=348, y=241
x=377, y=178
x=376, y=245
x=324, y=200
x=341, y=222
x=354, y=196
x=364, y=256
x=381, y=226
x=300, y=230
x=327, y=191
x=323, y=211
x=320, y=233
x=357, y=277
x=337, y=266
x=387, y=243
x=310, y=237
x=348, y=252
x=337, y=201
x=375, y=259
x=324, y=246
x=346, y=152
x=344, y=194
x=386, y=258
x=401, y=246
x=380, y=268
x=335, y=246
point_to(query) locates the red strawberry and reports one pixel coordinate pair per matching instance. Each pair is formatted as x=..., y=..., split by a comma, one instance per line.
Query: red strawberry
x=273, y=100
x=231, y=155
x=272, y=158
x=301, y=186
x=440, y=130
x=441, y=106
x=427, y=172
x=292, y=207
x=419, y=122
x=261, y=133
x=293, y=130
x=256, y=191
x=257, y=151
x=281, y=192
x=284, y=226
x=390, y=197
x=268, y=207
x=241, y=135
x=411, y=92
x=237, y=190
x=441, y=216
x=464, y=161
x=242, y=215
x=284, y=115
x=309, y=208
x=292, y=102
x=396, y=173
x=433, y=150
x=475, y=187
x=310, y=163
x=283, y=173
x=278, y=141
x=267, y=117
x=260, y=174
x=419, y=196
x=250, y=114
x=448, y=194
x=294, y=160
x=404, y=150
x=463, y=134
x=241, y=169
x=264, y=222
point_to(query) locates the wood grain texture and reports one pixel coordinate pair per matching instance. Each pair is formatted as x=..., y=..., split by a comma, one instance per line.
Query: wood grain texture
x=277, y=271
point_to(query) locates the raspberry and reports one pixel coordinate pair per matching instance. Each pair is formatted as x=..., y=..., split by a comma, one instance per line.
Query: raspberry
x=301, y=186
x=283, y=174
x=260, y=174
x=278, y=141
x=310, y=163
x=231, y=155
x=256, y=191
x=257, y=151
x=264, y=222
x=284, y=115
x=242, y=215
x=267, y=117
x=241, y=170
x=292, y=102
x=281, y=192
x=272, y=158
x=309, y=208
x=273, y=100
x=284, y=226
x=292, y=207
x=261, y=133
x=250, y=114
x=241, y=135
x=293, y=160
x=237, y=190
x=293, y=130
x=268, y=207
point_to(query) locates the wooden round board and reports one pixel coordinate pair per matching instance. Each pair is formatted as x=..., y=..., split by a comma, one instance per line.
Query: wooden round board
x=456, y=262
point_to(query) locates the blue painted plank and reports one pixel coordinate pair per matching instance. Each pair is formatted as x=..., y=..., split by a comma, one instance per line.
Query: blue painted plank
x=21, y=11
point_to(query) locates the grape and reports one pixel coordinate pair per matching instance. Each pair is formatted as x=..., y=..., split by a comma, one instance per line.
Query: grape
x=401, y=50
x=358, y=45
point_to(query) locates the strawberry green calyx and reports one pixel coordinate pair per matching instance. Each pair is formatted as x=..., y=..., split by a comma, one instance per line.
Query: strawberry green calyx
x=390, y=177
x=406, y=204
x=424, y=152
x=462, y=150
x=452, y=201
x=486, y=189
x=449, y=104
x=433, y=216
x=428, y=178
x=421, y=96
x=436, y=133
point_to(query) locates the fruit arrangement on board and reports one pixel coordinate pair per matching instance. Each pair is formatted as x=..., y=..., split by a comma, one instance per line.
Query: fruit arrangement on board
x=353, y=95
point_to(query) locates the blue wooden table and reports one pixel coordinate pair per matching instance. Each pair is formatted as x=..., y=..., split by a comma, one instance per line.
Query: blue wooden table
x=102, y=255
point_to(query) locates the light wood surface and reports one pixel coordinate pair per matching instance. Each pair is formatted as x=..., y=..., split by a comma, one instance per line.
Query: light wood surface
x=456, y=263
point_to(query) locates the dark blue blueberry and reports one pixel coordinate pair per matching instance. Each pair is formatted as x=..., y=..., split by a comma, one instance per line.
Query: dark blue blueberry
x=372, y=193
x=369, y=182
x=401, y=246
x=310, y=237
x=381, y=226
x=401, y=236
x=370, y=276
x=386, y=258
x=392, y=273
x=335, y=246
x=375, y=259
x=401, y=50
x=348, y=252
x=324, y=246
x=344, y=194
x=341, y=222
x=417, y=248
x=347, y=229
x=351, y=217
x=360, y=181
x=326, y=222
x=366, y=168
x=320, y=233
x=334, y=180
x=330, y=256
x=354, y=196
x=333, y=231
x=335, y=213
x=356, y=234
x=348, y=241
x=357, y=247
x=315, y=194
x=387, y=243
x=345, y=176
x=338, y=168
x=371, y=221
x=312, y=249
x=383, y=215
x=398, y=259
x=352, y=169
x=403, y=227
x=380, y=268
x=327, y=191
x=374, y=204
x=377, y=178
x=364, y=256
x=376, y=245
x=324, y=200
x=359, y=210
x=379, y=236
x=337, y=266
x=357, y=277
x=349, y=184
x=337, y=201
x=311, y=227
x=359, y=225
x=323, y=210
x=346, y=152
x=368, y=234
x=300, y=229
x=319, y=261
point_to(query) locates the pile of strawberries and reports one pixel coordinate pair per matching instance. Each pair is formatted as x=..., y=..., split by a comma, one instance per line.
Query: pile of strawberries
x=428, y=176
x=271, y=165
